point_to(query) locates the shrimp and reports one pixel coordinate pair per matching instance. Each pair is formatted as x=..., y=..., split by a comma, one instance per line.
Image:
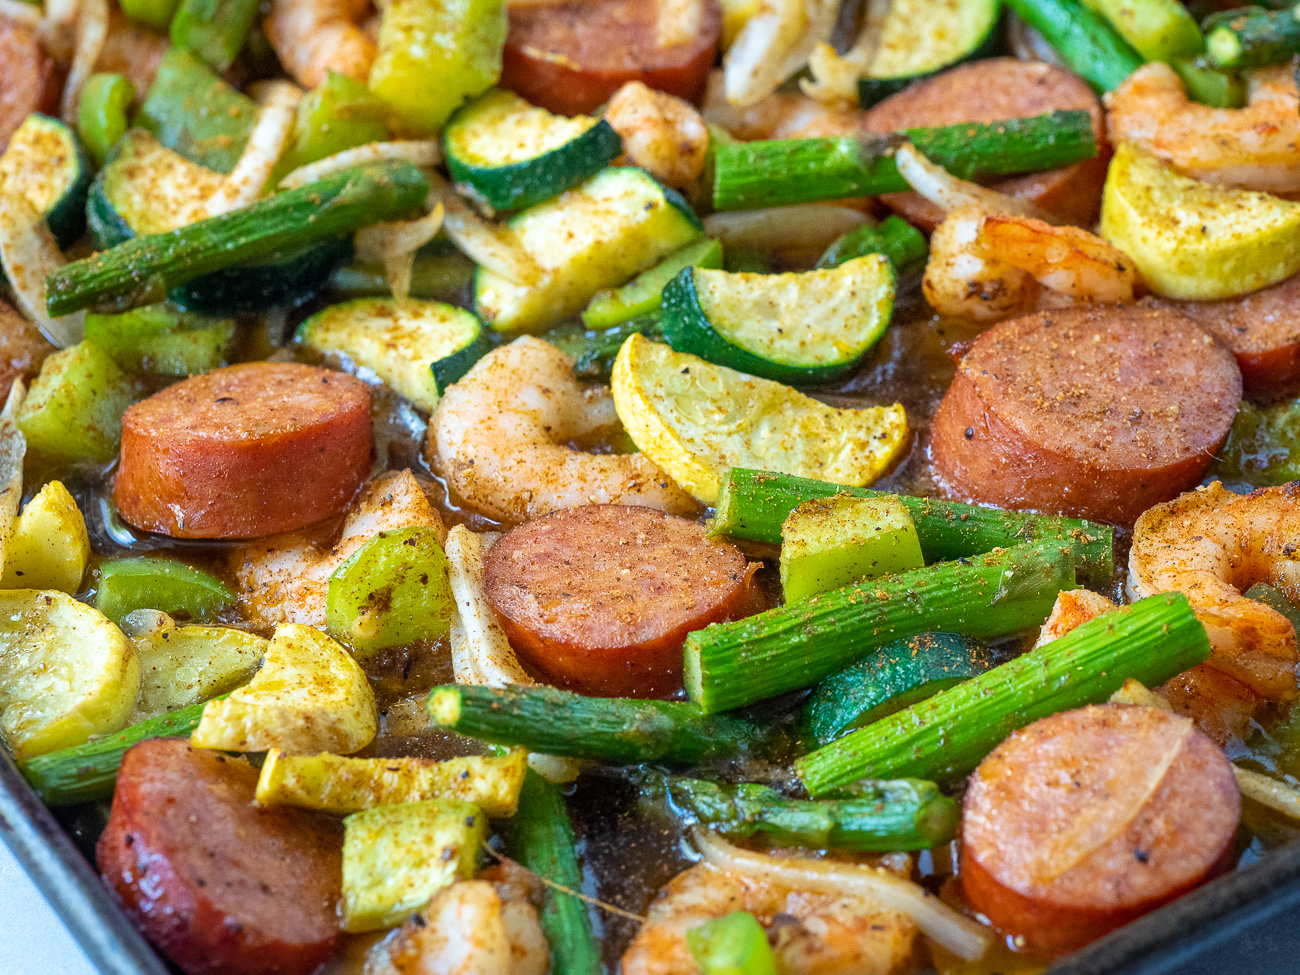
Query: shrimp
x=500, y=439
x=313, y=37
x=662, y=134
x=812, y=933
x=486, y=926
x=1073, y=608
x=1255, y=148
x=1212, y=545
x=986, y=267
x=285, y=578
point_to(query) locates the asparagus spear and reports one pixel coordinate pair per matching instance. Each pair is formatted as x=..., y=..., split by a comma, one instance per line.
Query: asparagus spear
x=754, y=504
x=950, y=733
x=792, y=646
x=86, y=772
x=542, y=841
x=620, y=731
x=906, y=814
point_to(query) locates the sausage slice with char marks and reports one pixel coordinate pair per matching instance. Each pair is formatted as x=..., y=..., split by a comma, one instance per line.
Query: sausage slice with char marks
x=599, y=599
x=1085, y=820
x=30, y=81
x=993, y=90
x=570, y=57
x=1094, y=412
x=219, y=885
x=1263, y=331
x=244, y=451
x=22, y=348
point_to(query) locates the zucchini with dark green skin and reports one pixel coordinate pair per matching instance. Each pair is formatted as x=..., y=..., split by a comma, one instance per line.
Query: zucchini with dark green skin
x=903, y=814
x=541, y=840
x=141, y=270
x=87, y=772
x=1251, y=37
x=620, y=731
x=594, y=352
x=898, y=240
x=807, y=328
x=644, y=293
x=753, y=505
x=896, y=676
x=922, y=37
x=1089, y=46
x=732, y=665
x=45, y=162
x=512, y=154
x=284, y=278
x=779, y=172
x=949, y=734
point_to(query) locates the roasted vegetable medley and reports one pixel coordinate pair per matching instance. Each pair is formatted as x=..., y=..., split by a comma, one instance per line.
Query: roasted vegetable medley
x=667, y=487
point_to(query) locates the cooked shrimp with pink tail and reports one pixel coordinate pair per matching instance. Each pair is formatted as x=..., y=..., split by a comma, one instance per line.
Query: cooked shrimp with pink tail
x=313, y=37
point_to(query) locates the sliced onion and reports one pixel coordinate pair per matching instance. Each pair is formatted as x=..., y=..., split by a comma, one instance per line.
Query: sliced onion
x=803, y=226
x=419, y=152
x=487, y=244
x=835, y=76
x=23, y=13
x=92, y=30
x=266, y=144
x=62, y=11
x=774, y=44
x=394, y=245
x=13, y=448
x=939, y=922
x=676, y=21
x=1268, y=791
x=28, y=253
x=945, y=190
x=480, y=653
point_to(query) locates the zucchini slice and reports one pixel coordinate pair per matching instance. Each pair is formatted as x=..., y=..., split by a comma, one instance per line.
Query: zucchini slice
x=895, y=677
x=597, y=236
x=801, y=328
x=146, y=188
x=514, y=155
x=642, y=295
x=921, y=37
x=45, y=162
x=417, y=347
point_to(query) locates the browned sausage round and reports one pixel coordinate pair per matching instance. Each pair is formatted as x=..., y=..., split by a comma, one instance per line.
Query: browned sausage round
x=599, y=599
x=218, y=884
x=1085, y=820
x=1263, y=331
x=22, y=348
x=244, y=451
x=1095, y=412
x=570, y=57
x=30, y=81
x=990, y=91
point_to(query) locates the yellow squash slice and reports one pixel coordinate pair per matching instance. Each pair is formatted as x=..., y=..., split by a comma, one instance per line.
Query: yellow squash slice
x=66, y=672
x=48, y=547
x=1197, y=240
x=696, y=421
x=310, y=696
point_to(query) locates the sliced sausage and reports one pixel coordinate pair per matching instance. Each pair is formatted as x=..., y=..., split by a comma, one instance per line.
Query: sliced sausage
x=1263, y=331
x=218, y=884
x=244, y=451
x=22, y=348
x=1085, y=820
x=598, y=599
x=30, y=81
x=1095, y=412
x=570, y=57
x=991, y=91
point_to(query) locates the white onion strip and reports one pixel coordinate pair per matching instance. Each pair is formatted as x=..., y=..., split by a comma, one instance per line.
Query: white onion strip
x=490, y=245
x=423, y=153
x=773, y=45
x=13, y=448
x=1268, y=791
x=28, y=253
x=394, y=245
x=480, y=652
x=939, y=922
x=92, y=30
x=266, y=143
x=801, y=226
x=946, y=191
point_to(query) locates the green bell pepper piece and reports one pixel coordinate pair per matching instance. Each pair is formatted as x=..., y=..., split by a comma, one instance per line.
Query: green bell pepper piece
x=101, y=116
x=74, y=409
x=145, y=582
x=161, y=340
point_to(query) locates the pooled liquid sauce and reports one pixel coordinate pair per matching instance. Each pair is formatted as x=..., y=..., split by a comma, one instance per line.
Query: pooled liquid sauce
x=629, y=846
